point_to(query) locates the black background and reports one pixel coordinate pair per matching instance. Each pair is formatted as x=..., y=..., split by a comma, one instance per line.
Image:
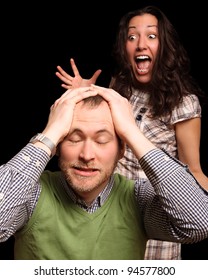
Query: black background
x=36, y=37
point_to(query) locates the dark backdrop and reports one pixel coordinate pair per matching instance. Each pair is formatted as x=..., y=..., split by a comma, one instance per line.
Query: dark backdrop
x=36, y=38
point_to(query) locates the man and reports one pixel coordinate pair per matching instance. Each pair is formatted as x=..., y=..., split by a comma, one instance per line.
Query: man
x=84, y=211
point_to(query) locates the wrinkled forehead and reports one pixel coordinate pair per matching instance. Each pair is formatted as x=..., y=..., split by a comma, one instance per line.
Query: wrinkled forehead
x=88, y=116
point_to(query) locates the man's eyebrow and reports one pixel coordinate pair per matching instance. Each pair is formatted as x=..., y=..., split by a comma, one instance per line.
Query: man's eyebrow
x=79, y=131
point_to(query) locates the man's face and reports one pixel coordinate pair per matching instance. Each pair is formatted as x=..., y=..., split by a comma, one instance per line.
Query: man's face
x=89, y=153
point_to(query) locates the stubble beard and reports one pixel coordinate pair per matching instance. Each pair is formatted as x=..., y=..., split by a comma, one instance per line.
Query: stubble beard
x=82, y=184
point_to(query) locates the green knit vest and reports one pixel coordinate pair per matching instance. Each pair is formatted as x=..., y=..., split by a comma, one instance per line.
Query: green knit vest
x=60, y=230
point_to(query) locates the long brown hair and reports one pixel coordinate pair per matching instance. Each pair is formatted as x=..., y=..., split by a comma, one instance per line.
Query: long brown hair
x=171, y=78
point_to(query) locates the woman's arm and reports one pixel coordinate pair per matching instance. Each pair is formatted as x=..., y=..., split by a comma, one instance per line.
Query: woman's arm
x=188, y=144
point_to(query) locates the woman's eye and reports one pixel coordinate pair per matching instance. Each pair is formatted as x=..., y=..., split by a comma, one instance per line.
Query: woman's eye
x=132, y=37
x=152, y=36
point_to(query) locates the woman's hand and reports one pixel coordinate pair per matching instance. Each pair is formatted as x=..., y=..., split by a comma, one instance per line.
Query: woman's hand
x=70, y=82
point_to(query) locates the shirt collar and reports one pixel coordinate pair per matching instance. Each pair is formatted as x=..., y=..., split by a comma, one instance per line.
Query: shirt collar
x=99, y=200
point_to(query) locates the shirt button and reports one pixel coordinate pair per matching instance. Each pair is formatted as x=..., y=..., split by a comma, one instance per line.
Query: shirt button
x=166, y=158
x=142, y=110
x=139, y=117
x=1, y=196
x=26, y=158
x=37, y=163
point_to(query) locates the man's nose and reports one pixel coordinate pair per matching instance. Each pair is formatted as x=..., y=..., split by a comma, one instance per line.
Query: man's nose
x=87, y=152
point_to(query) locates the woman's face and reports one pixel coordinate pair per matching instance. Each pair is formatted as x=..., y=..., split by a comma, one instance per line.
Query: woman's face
x=142, y=45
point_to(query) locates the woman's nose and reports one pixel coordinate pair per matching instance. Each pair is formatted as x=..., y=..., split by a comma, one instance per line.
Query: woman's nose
x=141, y=44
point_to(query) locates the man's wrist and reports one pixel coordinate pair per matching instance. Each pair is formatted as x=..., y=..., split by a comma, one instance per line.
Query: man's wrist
x=39, y=137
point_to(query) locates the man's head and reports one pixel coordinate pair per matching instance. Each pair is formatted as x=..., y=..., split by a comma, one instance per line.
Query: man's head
x=89, y=153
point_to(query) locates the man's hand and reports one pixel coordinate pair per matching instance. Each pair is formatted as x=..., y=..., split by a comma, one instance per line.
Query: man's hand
x=61, y=113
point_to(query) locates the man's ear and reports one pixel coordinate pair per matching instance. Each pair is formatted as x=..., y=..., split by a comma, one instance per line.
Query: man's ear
x=122, y=148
